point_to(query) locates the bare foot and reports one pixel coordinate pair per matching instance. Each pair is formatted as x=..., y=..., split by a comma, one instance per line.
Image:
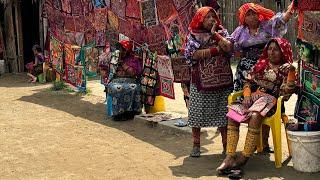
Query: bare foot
x=241, y=161
x=228, y=163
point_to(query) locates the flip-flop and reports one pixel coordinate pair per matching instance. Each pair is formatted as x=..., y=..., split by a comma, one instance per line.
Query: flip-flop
x=180, y=123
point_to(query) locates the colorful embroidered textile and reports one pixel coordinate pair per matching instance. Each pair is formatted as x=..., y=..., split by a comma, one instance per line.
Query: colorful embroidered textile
x=66, y=6
x=309, y=55
x=76, y=7
x=309, y=5
x=181, y=70
x=119, y=8
x=69, y=23
x=123, y=96
x=113, y=20
x=112, y=35
x=100, y=19
x=79, y=23
x=149, y=80
x=309, y=24
x=87, y=6
x=156, y=38
x=264, y=13
x=89, y=55
x=310, y=81
x=90, y=36
x=186, y=14
x=165, y=9
x=133, y=30
x=107, y=3
x=98, y=3
x=57, y=4
x=69, y=56
x=133, y=9
x=148, y=13
x=173, y=26
x=165, y=77
x=56, y=54
x=100, y=38
x=307, y=108
x=180, y=3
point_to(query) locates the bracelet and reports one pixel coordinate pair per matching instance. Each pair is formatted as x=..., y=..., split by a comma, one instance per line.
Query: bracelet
x=217, y=37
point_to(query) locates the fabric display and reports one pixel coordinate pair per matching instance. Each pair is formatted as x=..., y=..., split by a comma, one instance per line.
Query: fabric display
x=98, y=3
x=111, y=35
x=89, y=55
x=87, y=7
x=57, y=4
x=156, y=38
x=113, y=20
x=309, y=5
x=309, y=54
x=133, y=9
x=100, y=38
x=100, y=19
x=107, y=3
x=119, y=8
x=66, y=6
x=79, y=25
x=165, y=9
x=56, y=55
x=165, y=77
x=69, y=23
x=132, y=28
x=149, y=79
x=181, y=70
x=180, y=3
x=186, y=14
x=76, y=7
x=173, y=26
x=148, y=13
x=309, y=27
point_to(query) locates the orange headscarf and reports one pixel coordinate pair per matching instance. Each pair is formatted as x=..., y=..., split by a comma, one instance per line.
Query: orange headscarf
x=197, y=20
x=263, y=13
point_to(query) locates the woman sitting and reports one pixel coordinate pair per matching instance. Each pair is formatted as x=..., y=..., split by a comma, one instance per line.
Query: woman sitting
x=35, y=68
x=272, y=76
x=123, y=89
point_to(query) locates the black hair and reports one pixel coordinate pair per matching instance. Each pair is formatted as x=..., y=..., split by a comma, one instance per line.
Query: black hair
x=37, y=48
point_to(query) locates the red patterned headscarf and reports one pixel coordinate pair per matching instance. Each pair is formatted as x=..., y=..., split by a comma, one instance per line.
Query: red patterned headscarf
x=285, y=48
x=127, y=45
x=263, y=13
x=196, y=23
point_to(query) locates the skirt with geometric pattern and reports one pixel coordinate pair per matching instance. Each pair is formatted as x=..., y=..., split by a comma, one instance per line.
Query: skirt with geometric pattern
x=208, y=109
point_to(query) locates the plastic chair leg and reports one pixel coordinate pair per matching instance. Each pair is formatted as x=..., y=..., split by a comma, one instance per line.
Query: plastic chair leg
x=276, y=135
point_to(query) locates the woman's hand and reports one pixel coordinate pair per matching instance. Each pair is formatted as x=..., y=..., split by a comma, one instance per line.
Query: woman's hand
x=247, y=102
x=290, y=11
x=286, y=68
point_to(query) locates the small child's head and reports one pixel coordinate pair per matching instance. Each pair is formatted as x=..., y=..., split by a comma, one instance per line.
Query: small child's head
x=36, y=49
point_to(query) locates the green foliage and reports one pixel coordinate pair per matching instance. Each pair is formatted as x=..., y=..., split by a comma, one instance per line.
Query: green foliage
x=58, y=85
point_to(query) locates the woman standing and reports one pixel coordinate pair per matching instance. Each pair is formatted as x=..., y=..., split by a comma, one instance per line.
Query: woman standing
x=272, y=76
x=257, y=26
x=206, y=52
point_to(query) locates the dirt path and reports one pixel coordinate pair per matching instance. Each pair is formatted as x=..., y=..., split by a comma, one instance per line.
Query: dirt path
x=56, y=135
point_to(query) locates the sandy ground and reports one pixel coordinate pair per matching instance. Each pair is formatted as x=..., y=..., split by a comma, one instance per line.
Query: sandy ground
x=58, y=135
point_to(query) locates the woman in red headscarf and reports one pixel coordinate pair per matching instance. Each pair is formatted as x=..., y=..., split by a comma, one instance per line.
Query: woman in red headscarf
x=272, y=76
x=123, y=89
x=207, y=52
x=257, y=26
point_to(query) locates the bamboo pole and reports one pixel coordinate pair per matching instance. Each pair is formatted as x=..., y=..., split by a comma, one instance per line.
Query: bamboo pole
x=19, y=35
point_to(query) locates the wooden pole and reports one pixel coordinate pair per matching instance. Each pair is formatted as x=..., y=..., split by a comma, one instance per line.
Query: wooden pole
x=10, y=38
x=2, y=41
x=19, y=35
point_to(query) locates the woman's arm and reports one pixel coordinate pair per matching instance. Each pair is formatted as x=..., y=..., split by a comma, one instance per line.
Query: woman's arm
x=36, y=61
x=223, y=42
x=288, y=14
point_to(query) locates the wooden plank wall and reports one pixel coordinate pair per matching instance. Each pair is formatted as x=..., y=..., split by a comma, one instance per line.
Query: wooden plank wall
x=229, y=10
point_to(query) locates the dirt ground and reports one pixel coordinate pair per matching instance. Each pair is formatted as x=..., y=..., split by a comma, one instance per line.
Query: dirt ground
x=60, y=135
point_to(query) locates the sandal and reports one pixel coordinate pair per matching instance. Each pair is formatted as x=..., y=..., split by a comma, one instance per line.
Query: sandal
x=267, y=150
x=180, y=123
x=195, y=152
x=235, y=174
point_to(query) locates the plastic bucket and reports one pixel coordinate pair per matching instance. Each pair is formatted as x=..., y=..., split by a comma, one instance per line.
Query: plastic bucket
x=305, y=147
x=159, y=106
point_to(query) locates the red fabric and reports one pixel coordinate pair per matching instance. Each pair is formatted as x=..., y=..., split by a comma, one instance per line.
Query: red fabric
x=197, y=20
x=263, y=13
x=126, y=45
x=133, y=9
x=214, y=51
x=286, y=50
x=165, y=9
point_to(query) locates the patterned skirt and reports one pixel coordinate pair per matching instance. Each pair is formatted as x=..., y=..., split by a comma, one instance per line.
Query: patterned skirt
x=123, y=95
x=208, y=109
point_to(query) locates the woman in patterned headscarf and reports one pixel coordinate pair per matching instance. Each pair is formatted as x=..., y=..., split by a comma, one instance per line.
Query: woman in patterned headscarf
x=123, y=89
x=207, y=51
x=257, y=26
x=267, y=80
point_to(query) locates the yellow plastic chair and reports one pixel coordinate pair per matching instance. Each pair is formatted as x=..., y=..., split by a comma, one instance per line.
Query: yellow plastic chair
x=159, y=106
x=275, y=124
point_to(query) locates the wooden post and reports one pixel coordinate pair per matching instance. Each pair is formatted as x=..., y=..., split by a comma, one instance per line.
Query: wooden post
x=2, y=41
x=19, y=35
x=10, y=38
